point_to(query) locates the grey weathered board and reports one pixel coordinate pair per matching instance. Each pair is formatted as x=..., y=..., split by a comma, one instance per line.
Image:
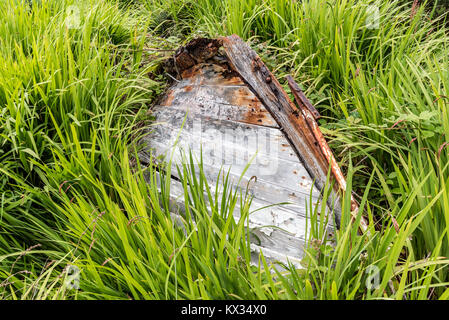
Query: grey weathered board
x=216, y=113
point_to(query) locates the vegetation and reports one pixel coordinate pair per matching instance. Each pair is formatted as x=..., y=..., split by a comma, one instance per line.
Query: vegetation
x=76, y=81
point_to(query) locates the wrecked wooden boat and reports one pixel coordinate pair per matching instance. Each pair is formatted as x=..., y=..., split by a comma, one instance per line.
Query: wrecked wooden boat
x=227, y=105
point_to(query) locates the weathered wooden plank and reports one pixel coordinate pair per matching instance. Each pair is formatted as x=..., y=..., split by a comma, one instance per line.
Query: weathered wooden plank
x=264, y=214
x=267, y=141
x=310, y=114
x=295, y=200
x=232, y=102
x=223, y=111
x=226, y=142
x=301, y=98
x=277, y=173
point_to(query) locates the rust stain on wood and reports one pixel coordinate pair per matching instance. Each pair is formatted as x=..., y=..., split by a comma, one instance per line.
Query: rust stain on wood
x=168, y=98
x=190, y=72
x=188, y=88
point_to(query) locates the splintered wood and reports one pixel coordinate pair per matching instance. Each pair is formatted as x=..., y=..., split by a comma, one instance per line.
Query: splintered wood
x=227, y=108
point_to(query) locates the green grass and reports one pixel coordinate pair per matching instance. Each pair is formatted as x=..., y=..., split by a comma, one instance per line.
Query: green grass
x=72, y=192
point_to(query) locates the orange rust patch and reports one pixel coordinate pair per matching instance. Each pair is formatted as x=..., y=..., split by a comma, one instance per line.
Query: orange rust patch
x=169, y=98
x=184, y=61
x=232, y=81
x=244, y=97
x=256, y=115
x=191, y=72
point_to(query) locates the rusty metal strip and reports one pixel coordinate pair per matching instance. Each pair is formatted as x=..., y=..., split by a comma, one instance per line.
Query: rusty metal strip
x=313, y=125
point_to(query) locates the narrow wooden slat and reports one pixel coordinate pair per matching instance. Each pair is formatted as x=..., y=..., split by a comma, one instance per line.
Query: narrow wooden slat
x=288, y=176
x=310, y=115
x=300, y=98
x=296, y=201
x=268, y=142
